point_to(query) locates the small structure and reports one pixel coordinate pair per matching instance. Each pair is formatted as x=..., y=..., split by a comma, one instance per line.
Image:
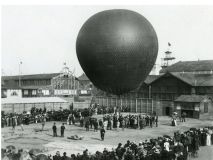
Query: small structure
x=195, y=106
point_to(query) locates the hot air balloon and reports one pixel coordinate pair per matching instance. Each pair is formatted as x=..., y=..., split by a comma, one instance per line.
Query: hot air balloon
x=117, y=49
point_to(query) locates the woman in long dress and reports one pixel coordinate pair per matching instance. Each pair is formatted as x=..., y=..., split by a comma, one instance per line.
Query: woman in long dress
x=118, y=125
x=208, y=139
x=175, y=121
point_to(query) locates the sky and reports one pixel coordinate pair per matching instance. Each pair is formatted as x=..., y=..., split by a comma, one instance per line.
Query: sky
x=44, y=37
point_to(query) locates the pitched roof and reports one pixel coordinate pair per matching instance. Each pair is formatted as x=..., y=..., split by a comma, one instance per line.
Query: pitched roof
x=32, y=76
x=150, y=78
x=83, y=77
x=195, y=79
x=189, y=66
x=191, y=98
x=191, y=79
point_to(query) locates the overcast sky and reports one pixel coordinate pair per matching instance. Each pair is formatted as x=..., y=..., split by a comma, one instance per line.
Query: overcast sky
x=44, y=37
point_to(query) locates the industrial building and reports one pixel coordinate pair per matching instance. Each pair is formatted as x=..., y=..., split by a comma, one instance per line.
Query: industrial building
x=63, y=84
x=164, y=93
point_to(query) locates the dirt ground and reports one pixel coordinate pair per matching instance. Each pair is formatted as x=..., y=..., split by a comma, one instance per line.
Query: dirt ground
x=29, y=138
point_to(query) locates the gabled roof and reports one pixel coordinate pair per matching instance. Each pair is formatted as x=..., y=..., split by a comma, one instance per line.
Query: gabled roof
x=195, y=79
x=189, y=66
x=191, y=98
x=191, y=79
x=32, y=76
x=83, y=77
x=150, y=78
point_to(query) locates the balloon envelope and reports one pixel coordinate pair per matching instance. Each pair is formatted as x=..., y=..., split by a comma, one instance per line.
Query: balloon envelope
x=117, y=49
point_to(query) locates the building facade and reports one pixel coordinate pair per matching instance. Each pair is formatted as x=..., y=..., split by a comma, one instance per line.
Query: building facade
x=63, y=84
x=189, y=78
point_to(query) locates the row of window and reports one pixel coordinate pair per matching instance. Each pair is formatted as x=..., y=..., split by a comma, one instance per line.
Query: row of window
x=33, y=82
x=33, y=92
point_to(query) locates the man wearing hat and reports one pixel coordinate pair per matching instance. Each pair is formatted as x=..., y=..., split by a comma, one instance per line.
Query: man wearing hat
x=54, y=130
x=102, y=131
x=62, y=130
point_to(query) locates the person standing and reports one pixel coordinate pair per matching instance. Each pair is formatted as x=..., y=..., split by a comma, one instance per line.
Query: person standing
x=100, y=123
x=118, y=125
x=2, y=122
x=13, y=122
x=123, y=124
x=62, y=130
x=73, y=119
x=156, y=120
x=21, y=123
x=208, y=139
x=69, y=119
x=43, y=120
x=150, y=121
x=54, y=130
x=141, y=123
x=147, y=120
x=135, y=123
x=87, y=125
x=109, y=125
x=95, y=125
x=105, y=124
x=182, y=117
x=102, y=131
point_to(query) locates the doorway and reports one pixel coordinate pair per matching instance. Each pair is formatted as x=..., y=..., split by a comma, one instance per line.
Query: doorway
x=168, y=110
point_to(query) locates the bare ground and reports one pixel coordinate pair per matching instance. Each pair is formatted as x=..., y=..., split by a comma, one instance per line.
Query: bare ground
x=29, y=138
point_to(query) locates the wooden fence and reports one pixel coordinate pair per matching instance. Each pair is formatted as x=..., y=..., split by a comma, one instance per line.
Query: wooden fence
x=138, y=105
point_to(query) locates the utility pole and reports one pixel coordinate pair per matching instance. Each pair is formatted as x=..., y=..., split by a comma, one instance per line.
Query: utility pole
x=20, y=63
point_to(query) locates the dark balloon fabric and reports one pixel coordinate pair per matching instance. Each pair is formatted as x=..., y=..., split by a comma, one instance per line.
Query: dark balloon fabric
x=117, y=49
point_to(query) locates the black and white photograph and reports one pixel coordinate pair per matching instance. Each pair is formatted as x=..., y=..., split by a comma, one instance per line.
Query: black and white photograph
x=107, y=82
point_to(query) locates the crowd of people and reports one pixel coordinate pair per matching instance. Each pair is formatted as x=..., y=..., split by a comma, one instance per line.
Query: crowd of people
x=36, y=115
x=179, y=147
x=116, y=121
x=14, y=119
x=101, y=109
x=175, y=117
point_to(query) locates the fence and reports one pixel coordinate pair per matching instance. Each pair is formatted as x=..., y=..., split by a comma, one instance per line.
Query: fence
x=139, y=105
x=19, y=108
x=81, y=105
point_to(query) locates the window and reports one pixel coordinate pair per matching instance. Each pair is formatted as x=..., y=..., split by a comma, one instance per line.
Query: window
x=25, y=92
x=205, y=107
x=33, y=92
x=14, y=93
